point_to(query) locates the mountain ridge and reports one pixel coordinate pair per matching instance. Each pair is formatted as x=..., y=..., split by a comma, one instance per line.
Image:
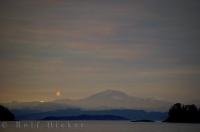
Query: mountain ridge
x=108, y=99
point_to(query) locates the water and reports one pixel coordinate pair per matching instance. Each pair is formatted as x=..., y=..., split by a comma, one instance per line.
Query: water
x=95, y=126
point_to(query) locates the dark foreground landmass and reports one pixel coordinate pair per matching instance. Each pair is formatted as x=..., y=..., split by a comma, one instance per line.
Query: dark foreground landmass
x=180, y=113
x=5, y=114
x=142, y=121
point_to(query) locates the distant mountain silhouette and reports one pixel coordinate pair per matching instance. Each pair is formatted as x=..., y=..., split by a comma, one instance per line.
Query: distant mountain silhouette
x=27, y=114
x=5, y=114
x=143, y=121
x=109, y=102
x=114, y=99
x=86, y=117
x=183, y=114
x=105, y=100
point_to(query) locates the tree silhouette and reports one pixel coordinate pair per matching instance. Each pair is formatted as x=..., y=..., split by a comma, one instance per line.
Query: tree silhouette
x=5, y=114
x=183, y=113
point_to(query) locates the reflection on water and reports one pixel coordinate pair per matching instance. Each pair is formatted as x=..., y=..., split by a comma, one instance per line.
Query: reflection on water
x=95, y=126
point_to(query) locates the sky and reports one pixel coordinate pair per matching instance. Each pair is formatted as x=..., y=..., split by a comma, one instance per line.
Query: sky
x=148, y=49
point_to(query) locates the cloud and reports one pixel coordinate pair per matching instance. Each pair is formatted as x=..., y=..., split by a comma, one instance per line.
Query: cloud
x=91, y=45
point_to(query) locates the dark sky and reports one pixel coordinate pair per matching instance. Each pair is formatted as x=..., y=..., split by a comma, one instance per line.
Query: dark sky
x=147, y=48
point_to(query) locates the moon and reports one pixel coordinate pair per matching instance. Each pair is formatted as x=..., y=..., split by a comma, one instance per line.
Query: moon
x=58, y=93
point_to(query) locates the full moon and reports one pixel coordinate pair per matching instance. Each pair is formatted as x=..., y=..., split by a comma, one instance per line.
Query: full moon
x=58, y=93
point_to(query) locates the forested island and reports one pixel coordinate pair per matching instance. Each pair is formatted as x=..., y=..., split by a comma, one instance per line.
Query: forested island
x=180, y=113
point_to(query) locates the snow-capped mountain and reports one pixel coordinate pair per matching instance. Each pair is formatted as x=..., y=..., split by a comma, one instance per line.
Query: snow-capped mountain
x=109, y=99
x=112, y=99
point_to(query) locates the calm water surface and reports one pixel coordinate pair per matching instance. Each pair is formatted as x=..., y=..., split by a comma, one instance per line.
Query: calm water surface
x=95, y=126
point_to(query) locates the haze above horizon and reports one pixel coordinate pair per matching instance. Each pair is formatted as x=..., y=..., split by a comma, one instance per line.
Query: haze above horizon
x=72, y=49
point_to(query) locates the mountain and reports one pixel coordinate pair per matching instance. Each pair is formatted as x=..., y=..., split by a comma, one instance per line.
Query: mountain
x=109, y=102
x=109, y=99
x=125, y=113
x=86, y=117
x=112, y=99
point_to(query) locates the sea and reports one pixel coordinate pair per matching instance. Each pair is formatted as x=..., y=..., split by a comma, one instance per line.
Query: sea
x=96, y=126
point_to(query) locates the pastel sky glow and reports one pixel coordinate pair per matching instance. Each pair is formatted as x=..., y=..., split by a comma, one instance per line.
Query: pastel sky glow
x=149, y=49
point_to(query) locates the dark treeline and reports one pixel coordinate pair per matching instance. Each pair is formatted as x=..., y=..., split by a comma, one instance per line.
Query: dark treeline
x=183, y=114
x=5, y=114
